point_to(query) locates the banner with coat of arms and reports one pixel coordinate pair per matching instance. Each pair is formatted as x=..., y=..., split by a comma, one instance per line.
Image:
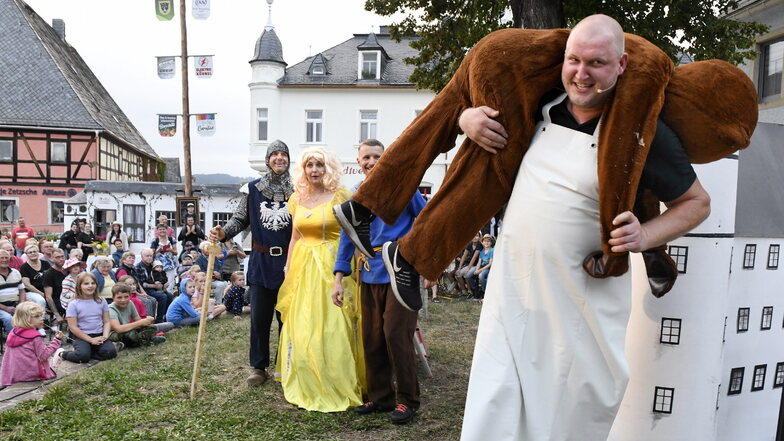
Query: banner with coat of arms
x=164, y=9
x=205, y=124
x=165, y=67
x=203, y=66
x=200, y=9
x=167, y=125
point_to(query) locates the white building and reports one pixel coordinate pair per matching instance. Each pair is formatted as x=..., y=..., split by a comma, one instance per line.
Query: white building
x=137, y=205
x=355, y=90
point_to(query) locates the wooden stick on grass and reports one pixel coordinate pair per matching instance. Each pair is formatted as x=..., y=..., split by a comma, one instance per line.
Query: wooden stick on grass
x=212, y=250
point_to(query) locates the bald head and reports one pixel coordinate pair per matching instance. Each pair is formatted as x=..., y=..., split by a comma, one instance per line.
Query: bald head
x=597, y=28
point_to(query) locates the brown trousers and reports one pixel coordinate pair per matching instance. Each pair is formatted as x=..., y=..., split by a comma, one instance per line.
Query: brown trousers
x=387, y=337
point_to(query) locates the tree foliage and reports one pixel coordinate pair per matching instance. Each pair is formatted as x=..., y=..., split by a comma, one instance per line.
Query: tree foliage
x=449, y=28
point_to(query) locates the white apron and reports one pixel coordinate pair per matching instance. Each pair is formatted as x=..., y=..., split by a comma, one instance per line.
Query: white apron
x=549, y=360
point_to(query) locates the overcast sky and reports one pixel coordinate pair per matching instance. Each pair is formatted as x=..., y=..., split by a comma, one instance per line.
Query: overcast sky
x=120, y=39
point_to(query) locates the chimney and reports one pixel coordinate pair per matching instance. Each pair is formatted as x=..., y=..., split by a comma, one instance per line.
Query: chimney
x=59, y=26
x=383, y=30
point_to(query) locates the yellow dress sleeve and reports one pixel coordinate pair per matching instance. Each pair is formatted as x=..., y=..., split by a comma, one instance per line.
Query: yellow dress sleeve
x=341, y=195
x=293, y=203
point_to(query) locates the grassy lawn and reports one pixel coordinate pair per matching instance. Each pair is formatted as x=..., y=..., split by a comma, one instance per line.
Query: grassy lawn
x=144, y=394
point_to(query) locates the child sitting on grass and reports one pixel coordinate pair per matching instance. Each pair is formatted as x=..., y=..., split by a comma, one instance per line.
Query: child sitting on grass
x=234, y=299
x=127, y=326
x=182, y=313
x=144, y=304
x=72, y=267
x=88, y=323
x=27, y=357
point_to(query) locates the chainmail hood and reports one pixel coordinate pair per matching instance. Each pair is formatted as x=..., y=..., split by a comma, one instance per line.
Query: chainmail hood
x=273, y=186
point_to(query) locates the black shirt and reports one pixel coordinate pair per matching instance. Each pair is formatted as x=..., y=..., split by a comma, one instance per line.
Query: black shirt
x=54, y=279
x=36, y=277
x=667, y=173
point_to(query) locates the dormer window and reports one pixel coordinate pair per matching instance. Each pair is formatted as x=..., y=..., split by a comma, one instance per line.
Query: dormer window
x=318, y=66
x=369, y=62
x=318, y=70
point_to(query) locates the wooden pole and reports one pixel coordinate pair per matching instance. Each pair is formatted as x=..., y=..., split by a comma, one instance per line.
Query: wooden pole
x=186, y=116
x=212, y=250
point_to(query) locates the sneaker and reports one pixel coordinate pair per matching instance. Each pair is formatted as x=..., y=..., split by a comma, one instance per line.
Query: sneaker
x=158, y=339
x=436, y=300
x=119, y=346
x=402, y=414
x=257, y=377
x=370, y=407
x=403, y=278
x=355, y=220
x=57, y=358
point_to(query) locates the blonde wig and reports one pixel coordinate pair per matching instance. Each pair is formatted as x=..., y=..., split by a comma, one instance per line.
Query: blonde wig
x=332, y=171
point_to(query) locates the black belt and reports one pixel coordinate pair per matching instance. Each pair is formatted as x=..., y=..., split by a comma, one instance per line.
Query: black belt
x=272, y=251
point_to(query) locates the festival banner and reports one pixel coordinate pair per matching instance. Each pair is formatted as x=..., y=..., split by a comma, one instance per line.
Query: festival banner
x=201, y=9
x=205, y=124
x=167, y=125
x=165, y=67
x=164, y=9
x=203, y=66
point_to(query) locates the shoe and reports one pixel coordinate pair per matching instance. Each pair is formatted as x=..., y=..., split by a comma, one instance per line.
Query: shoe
x=402, y=414
x=57, y=358
x=403, y=278
x=119, y=346
x=370, y=407
x=257, y=377
x=158, y=339
x=436, y=300
x=355, y=220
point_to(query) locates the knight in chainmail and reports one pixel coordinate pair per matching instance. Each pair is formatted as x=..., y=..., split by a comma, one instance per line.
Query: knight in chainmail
x=265, y=210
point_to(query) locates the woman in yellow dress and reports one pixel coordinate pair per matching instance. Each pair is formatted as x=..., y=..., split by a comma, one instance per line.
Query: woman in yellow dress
x=319, y=364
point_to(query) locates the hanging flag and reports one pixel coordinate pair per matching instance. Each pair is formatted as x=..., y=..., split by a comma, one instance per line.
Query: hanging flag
x=165, y=67
x=203, y=66
x=164, y=9
x=167, y=125
x=201, y=9
x=205, y=124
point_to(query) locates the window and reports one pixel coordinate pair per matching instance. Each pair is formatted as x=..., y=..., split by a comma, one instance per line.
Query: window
x=736, y=381
x=767, y=317
x=743, y=319
x=771, y=60
x=748, y=256
x=680, y=256
x=317, y=70
x=56, y=212
x=369, y=67
x=759, y=377
x=9, y=211
x=670, y=331
x=171, y=217
x=773, y=257
x=368, y=121
x=262, y=116
x=133, y=222
x=6, y=150
x=778, y=381
x=58, y=152
x=662, y=400
x=313, y=123
x=202, y=216
x=220, y=218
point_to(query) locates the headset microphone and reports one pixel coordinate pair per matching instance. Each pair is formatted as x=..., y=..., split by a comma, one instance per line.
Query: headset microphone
x=599, y=90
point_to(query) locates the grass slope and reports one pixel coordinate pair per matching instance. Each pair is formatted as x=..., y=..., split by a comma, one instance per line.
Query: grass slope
x=143, y=394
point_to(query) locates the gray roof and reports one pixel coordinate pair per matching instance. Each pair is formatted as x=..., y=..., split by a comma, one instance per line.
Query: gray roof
x=45, y=83
x=162, y=188
x=760, y=201
x=268, y=47
x=341, y=62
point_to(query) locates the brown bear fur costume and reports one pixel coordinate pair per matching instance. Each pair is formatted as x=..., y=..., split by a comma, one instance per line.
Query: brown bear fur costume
x=510, y=70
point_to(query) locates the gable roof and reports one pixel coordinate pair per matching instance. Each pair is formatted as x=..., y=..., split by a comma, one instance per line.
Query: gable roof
x=341, y=62
x=46, y=83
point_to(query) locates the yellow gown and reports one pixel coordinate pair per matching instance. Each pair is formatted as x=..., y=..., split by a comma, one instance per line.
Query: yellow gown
x=320, y=359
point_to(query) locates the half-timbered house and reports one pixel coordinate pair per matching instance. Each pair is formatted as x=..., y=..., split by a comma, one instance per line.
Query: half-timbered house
x=59, y=127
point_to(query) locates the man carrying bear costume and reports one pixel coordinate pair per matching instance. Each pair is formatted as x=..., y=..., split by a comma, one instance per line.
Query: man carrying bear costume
x=549, y=360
